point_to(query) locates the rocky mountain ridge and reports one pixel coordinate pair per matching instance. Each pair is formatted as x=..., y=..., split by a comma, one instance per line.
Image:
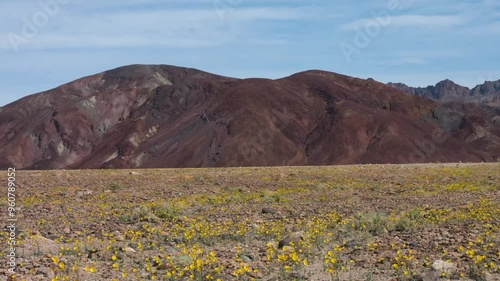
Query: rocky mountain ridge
x=156, y=116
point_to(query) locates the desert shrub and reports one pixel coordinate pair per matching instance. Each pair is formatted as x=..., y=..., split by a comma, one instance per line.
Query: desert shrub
x=408, y=220
x=374, y=223
x=165, y=211
x=414, y=214
x=137, y=214
x=270, y=196
x=115, y=186
x=403, y=224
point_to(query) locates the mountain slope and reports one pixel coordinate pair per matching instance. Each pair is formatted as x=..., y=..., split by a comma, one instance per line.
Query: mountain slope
x=164, y=116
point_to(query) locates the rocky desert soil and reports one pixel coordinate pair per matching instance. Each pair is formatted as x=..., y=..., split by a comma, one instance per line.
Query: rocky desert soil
x=368, y=222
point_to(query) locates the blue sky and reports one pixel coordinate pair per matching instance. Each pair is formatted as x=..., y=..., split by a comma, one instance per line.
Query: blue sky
x=45, y=43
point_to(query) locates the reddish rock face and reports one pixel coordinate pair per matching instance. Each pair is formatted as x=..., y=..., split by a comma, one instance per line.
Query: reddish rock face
x=165, y=116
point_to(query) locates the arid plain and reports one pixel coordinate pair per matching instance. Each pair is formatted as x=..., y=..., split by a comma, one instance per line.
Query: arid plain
x=362, y=222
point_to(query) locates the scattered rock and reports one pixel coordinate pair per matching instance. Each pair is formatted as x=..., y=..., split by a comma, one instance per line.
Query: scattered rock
x=118, y=236
x=39, y=245
x=418, y=277
x=441, y=266
x=84, y=193
x=67, y=230
x=151, y=218
x=256, y=275
x=84, y=275
x=246, y=258
x=130, y=250
x=163, y=266
x=386, y=256
x=38, y=277
x=431, y=275
x=455, y=255
x=267, y=210
x=490, y=277
x=293, y=238
x=46, y=272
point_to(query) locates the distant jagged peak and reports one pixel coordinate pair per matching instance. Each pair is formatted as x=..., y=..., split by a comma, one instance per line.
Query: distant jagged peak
x=448, y=90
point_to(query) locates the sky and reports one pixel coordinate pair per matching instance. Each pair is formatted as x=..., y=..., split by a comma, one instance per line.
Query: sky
x=46, y=43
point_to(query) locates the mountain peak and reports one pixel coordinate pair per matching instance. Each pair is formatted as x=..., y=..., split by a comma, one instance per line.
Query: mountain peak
x=447, y=82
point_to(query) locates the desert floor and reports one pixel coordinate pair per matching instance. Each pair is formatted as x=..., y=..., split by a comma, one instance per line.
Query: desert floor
x=370, y=222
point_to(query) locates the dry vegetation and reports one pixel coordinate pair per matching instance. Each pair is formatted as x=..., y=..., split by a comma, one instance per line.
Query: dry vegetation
x=373, y=222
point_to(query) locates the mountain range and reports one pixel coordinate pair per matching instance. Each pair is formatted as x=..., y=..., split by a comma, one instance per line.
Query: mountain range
x=152, y=116
x=447, y=90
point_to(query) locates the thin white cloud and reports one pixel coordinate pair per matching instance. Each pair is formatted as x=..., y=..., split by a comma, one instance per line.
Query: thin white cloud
x=116, y=41
x=408, y=21
x=162, y=28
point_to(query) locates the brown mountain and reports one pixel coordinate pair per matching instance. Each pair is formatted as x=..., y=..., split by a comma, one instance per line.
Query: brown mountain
x=486, y=93
x=165, y=116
